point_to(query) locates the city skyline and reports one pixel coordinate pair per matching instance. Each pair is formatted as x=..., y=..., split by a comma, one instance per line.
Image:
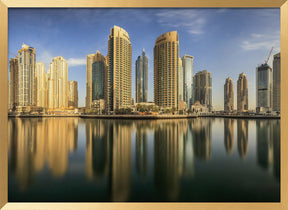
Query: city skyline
x=255, y=46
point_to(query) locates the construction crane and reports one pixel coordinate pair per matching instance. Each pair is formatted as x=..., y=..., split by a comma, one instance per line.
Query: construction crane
x=266, y=61
x=13, y=54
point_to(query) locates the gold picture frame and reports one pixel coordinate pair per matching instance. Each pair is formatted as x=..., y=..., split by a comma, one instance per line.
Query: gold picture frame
x=5, y=4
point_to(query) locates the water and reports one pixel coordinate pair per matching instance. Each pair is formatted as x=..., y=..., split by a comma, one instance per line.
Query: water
x=201, y=160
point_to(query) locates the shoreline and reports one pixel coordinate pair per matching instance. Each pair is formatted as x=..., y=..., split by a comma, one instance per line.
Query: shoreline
x=148, y=117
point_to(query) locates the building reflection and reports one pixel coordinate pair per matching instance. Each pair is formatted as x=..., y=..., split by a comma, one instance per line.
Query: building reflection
x=268, y=145
x=34, y=142
x=168, y=153
x=229, y=135
x=141, y=150
x=242, y=137
x=108, y=153
x=201, y=132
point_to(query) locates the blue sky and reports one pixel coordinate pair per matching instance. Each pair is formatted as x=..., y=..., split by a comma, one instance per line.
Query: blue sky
x=225, y=42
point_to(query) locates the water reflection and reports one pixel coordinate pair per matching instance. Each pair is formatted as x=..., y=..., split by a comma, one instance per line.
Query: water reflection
x=178, y=148
x=229, y=135
x=268, y=145
x=33, y=142
x=242, y=137
x=201, y=135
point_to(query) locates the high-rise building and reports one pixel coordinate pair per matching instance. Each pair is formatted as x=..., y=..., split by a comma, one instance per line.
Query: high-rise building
x=187, y=62
x=264, y=85
x=228, y=95
x=99, y=68
x=40, y=79
x=203, y=88
x=276, y=82
x=26, y=66
x=180, y=81
x=141, y=78
x=118, y=77
x=90, y=59
x=242, y=93
x=73, y=94
x=166, y=54
x=13, y=83
x=58, y=94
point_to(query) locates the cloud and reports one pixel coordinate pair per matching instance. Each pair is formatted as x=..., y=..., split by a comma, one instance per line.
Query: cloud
x=76, y=61
x=193, y=21
x=261, y=41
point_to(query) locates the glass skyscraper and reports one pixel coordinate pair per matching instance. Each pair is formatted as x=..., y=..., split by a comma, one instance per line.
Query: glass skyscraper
x=141, y=78
x=264, y=86
x=98, y=73
x=276, y=82
x=187, y=62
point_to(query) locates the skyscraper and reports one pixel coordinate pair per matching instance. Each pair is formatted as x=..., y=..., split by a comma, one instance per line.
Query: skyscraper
x=141, y=78
x=27, y=87
x=90, y=59
x=99, y=68
x=166, y=54
x=228, y=95
x=13, y=83
x=180, y=81
x=187, y=62
x=58, y=83
x=40, y=79
x=203, y=88
x=264, y=86
x=242, y=93
x=73, y=94
x=276, y=82
x=118, y=76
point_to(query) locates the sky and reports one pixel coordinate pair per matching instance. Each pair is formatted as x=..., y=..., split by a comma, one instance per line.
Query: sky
x=224, y=41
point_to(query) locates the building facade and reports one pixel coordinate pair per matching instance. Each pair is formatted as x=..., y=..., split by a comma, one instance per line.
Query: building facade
x=242, y=93
x=276, y=83
x=58, y=93
x=264, y=85
x=13, y=83
x=228, y=95
x=73, y=94
x=142, y=78
x=90, y=59
x=118, y=77
x=203, y=88
x=98, y=73
x=26, y=69
x=180, y=81
x=187, y=62
x=166, y=54
x=40, y=79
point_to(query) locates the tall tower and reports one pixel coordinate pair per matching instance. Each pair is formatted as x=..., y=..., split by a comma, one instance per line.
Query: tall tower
x=118, y=82
x=203, y=88
x=228, y=95
x=73, y=94
x=99, y=68
x=40, y=79
x=90, y=59
x=187, y=62
x=58, y=83
x=166, y=54
x=13, y=83
x=180, y=81
x=276, y=82
x=141, y=78
x=264, y=85
x=26, y=66
x=242, y=93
